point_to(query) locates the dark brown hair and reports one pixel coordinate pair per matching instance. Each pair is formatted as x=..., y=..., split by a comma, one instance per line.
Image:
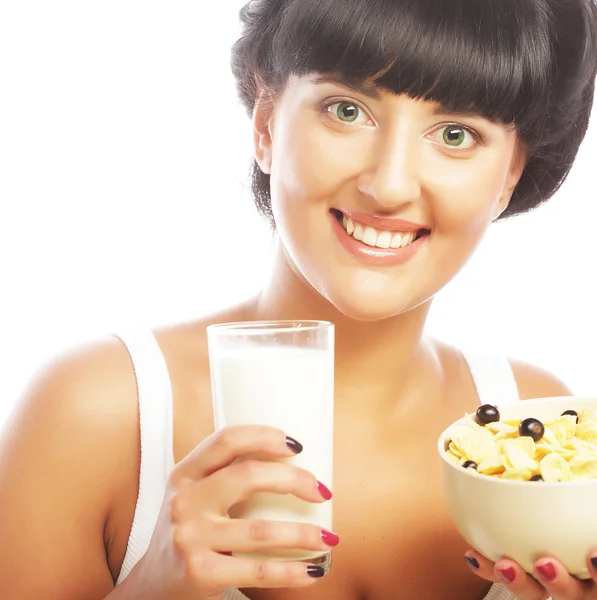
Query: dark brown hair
x=526, y=63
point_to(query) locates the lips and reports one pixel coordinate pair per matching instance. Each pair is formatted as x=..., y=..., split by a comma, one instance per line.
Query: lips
x=380, y=247
x=381, y=223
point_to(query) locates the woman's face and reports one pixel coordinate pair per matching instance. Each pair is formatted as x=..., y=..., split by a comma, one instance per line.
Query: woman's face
x=343, y=160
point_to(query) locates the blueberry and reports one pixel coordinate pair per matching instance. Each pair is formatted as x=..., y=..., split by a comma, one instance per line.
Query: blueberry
x=532, y=428
x=469, y=464
x=487, y=413
x=572, y=413
x=536, y=478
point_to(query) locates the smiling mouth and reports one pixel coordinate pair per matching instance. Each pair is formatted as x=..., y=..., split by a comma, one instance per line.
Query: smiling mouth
x=377, y=238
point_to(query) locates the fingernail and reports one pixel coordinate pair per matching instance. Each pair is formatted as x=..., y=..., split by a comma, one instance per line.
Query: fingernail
x=472, y=562
x=508, y=574
x=594, y=562
x=329, y=538
x=325, y=492
x=547, y=571
x=295, y=446
x=315, y=571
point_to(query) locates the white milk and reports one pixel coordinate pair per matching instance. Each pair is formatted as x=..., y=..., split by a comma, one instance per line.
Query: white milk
x=291, y=389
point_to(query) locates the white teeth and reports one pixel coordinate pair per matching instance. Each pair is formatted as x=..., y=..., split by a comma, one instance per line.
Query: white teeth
x=407, y=238
x=358, y=232
x=373, y=237
x=370, y=236
x=384, y=239
x=396, y=240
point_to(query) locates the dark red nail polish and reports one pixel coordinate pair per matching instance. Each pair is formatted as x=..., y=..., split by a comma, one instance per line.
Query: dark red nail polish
x=315, y=571
x=472, y=562
x=508, y=574
x=329, y=538
x=547, y=571
x=325, y=492
x=594, y=562
x=295, y=446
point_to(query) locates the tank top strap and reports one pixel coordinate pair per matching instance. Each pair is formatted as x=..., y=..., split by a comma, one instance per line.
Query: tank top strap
x=499, y=592
x=493, y=377
x=154, y=393
x=234, y=594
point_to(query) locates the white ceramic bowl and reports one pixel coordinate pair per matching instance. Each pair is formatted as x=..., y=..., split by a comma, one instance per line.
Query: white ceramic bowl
x=524, y=520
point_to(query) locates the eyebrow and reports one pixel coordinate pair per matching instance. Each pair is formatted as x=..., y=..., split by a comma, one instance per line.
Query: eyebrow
x=440, y=110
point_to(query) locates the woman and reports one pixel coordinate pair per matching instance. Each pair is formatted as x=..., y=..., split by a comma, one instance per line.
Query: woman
x=389, y=134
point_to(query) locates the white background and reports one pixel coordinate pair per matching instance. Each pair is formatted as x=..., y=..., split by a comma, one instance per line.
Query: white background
x=124, y=156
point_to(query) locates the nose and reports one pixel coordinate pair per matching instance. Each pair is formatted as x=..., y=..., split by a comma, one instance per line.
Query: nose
x=392, y=179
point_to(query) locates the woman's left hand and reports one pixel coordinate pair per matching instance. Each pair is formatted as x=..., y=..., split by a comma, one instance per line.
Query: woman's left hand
x=550, y=579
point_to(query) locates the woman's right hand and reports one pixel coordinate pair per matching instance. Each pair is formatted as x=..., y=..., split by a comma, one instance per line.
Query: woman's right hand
x=189, y=553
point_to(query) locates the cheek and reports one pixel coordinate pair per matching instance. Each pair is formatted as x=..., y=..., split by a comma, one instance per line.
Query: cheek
x=467, y=195
x=301, y=183
x=311, y=164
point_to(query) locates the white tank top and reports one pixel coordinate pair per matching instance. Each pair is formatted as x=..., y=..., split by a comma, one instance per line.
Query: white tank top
x=492, y=376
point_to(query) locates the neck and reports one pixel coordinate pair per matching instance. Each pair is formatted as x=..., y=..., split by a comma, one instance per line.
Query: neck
x=378, y=357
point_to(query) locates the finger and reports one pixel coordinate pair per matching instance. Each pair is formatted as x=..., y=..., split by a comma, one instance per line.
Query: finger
x=214, y=572
x=480, y=565
x=559, y=583
x=520, y=583
x=238, y=482
x=225, y=446
x=243, y=535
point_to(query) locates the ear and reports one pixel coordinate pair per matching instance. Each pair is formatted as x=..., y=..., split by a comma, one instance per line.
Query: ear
x=515, y=172
x=262, y=131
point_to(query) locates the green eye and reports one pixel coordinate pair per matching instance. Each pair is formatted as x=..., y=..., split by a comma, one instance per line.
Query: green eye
x=347, y=112
x=454, y=136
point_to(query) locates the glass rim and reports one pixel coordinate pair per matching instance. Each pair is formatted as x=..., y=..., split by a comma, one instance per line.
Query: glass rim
x=268, y=326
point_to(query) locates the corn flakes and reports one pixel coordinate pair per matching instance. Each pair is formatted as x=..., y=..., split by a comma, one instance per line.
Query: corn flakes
x=563, y=449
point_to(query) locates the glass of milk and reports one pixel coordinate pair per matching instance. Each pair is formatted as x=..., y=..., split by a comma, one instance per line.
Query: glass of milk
x=279, y=374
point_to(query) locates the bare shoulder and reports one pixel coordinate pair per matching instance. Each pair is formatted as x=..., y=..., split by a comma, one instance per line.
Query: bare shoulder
x=64, y=453
x=536, y=382
x=533, y=381
x=91, y=386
